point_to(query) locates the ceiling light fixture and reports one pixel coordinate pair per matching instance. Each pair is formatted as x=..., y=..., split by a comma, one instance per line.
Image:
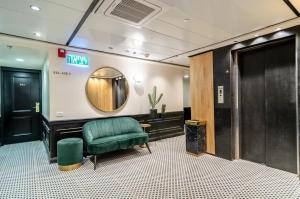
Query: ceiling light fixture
x=277, y=29
x=35, y=8
x=257, y=35
x=19, y=59
x=186, y=76
x=187, y=20
x=37, y=34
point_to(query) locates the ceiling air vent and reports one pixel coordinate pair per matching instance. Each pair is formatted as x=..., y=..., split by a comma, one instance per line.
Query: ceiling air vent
x=135, y=12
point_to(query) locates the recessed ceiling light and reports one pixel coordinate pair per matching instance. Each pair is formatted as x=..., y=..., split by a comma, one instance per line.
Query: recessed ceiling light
x=19, y=59
x=186, y=76
x=277, y=29
x=35, y=8
x=257, y=35
x=137, y=43
x=138, y=39
x=134, y=53
x=187, y=20
x=37, y=34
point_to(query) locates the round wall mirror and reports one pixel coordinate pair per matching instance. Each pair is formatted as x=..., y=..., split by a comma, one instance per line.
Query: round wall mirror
x=107, y=89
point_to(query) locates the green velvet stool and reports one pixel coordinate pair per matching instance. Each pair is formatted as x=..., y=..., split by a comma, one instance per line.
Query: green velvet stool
x=69, y=153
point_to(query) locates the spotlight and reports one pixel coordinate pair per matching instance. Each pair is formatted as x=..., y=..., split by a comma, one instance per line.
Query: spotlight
x=37, y=34
x=19, y=59
x=35, y=8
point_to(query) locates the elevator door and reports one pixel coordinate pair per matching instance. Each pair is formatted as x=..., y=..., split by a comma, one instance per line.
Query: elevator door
x=268, y=106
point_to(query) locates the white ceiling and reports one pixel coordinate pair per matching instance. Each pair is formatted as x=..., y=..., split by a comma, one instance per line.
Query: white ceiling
x=296, y=3
x=32, y=58
x=56, y=20
x=163, y=36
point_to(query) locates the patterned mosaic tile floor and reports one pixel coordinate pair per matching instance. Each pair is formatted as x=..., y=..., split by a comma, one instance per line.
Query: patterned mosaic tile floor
x=166, y=173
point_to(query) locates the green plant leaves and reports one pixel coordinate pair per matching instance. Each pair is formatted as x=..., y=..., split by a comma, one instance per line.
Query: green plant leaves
x=152, y=98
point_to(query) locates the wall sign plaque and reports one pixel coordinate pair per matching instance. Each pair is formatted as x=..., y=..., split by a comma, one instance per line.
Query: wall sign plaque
x=78, y=60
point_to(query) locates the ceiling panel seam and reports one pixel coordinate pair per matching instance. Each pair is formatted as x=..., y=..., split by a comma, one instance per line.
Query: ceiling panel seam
x=83, y=19
x=292, y=7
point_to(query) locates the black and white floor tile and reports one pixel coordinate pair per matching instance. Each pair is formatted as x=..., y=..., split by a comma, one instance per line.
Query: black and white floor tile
x=166, y=173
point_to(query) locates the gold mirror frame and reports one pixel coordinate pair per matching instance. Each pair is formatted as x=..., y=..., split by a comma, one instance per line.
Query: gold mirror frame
x=95, y=103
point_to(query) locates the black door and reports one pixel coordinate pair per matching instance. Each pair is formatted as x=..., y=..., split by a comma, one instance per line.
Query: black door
x=281, y=107
x=21, y=105
x=268, y=100
x=253, y=106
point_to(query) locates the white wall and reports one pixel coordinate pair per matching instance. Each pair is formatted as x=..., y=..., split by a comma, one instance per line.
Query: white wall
x=67, y=93
x=45, y=89
x=186, y=92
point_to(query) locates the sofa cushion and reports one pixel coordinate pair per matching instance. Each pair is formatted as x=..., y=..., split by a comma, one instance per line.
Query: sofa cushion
x=129, y=140
x=112, y=143
x=110, y=127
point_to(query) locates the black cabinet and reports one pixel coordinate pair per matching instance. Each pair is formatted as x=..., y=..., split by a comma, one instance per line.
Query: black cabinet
x=166, y=126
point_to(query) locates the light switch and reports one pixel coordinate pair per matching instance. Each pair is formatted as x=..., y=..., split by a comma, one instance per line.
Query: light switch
x=220, y=94
x=59, y=114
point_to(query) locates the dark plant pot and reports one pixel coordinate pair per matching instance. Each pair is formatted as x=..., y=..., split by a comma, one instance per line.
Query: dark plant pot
x=153, y=113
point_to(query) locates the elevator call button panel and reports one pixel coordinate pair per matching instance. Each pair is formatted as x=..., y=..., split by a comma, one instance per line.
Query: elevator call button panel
x=221, y=94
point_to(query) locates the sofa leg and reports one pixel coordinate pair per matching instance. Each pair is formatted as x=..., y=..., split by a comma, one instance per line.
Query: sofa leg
x=148, y=147
x=95, y=162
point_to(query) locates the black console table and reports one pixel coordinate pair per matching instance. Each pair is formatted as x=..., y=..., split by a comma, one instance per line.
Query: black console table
x=166, y=125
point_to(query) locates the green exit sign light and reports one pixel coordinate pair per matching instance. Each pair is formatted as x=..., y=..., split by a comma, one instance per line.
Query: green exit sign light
x=78, y=60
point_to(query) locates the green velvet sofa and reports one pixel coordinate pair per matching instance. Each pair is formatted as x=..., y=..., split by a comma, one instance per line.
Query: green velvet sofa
x=106, y=135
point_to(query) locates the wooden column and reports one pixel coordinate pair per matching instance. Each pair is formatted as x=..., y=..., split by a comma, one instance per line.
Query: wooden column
x=202, y=94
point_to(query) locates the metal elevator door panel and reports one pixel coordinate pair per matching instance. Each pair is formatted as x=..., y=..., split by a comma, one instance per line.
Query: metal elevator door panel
x=281, y=107
x=268, y=106
x=253, y=106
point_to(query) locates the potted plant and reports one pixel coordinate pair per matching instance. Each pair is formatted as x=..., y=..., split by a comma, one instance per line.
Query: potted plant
x=153, y=102
x=163, y=110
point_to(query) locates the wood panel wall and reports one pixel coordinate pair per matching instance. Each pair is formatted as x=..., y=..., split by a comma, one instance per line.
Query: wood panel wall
x=202, y=94
x=100, y=93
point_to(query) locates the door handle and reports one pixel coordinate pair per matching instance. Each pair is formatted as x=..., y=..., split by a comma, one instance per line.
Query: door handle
x=37, y=107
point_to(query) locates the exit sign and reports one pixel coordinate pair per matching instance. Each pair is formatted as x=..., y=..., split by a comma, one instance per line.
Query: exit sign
x=78, y=60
